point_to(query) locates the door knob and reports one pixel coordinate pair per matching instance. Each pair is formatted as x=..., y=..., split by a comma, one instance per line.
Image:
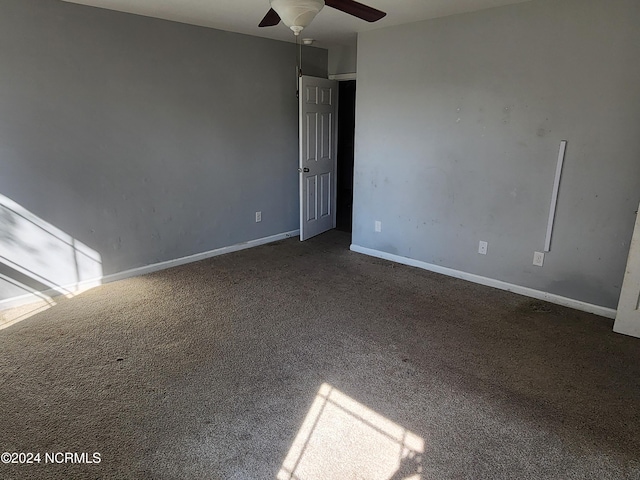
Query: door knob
x=305, y=169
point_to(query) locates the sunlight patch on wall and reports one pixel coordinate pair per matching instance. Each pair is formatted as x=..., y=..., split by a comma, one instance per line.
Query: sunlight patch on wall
x=41, y=261
x=341, y=438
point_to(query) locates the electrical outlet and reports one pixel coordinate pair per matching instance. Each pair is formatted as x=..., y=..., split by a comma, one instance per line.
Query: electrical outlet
x=258, y=217
x=538, y=258
x=482, y=248
x=378, y=226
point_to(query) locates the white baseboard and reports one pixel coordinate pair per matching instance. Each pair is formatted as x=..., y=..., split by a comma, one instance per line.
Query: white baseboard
x=134, y=272
x=490, y=282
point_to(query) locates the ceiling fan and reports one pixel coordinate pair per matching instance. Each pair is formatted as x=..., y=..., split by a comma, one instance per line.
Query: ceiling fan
x=297, y=14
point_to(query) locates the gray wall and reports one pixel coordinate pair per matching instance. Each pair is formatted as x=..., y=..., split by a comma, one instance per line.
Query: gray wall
x=142, y=139
x=343, y=59
x=459, y=121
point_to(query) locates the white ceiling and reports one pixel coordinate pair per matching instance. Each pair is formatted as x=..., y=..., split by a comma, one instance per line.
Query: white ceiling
x=329, y=27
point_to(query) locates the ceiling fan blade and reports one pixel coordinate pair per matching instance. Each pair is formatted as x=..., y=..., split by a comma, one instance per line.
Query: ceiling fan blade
x=356, y=9
x=270, y=19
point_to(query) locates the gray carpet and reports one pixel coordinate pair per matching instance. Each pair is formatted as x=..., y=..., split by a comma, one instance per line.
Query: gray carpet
x=308, y=361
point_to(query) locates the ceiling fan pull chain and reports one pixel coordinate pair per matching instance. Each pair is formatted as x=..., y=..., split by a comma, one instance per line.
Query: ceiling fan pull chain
x=298, y=69
x=300, y=50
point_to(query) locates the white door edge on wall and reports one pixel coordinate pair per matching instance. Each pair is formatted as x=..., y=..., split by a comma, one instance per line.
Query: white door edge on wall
x=628, y=315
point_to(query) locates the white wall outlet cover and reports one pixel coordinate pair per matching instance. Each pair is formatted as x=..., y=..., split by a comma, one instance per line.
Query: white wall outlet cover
x=538, y=259
x=482, y=248
x=378, y=226
x=258, y=217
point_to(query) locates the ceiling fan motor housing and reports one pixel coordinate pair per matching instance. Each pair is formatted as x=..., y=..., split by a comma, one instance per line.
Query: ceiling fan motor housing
x=297, y=14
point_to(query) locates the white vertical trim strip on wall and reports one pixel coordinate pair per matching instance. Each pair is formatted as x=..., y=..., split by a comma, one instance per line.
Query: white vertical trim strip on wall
x=554, y=197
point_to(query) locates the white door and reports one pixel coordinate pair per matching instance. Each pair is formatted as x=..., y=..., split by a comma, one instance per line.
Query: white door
x=628, y=315
x=318, y=98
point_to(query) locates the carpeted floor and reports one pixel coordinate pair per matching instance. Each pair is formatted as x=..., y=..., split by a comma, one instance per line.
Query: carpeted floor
x=308, y=361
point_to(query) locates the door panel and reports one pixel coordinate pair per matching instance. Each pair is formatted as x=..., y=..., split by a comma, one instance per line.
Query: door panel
x=325, y=194
x=312, y=199
x=326, y=95
x=317, y=155
x=326, y=136
x=312, y=143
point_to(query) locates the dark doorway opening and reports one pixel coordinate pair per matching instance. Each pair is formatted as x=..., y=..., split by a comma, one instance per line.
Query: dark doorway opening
x=346, y=136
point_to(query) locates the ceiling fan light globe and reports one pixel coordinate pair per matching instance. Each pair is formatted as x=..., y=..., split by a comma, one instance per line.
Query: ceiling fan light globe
x=297, y=13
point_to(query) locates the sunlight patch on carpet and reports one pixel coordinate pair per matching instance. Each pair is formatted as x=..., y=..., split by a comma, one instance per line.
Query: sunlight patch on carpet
x=18, y=314
x=341, y=438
